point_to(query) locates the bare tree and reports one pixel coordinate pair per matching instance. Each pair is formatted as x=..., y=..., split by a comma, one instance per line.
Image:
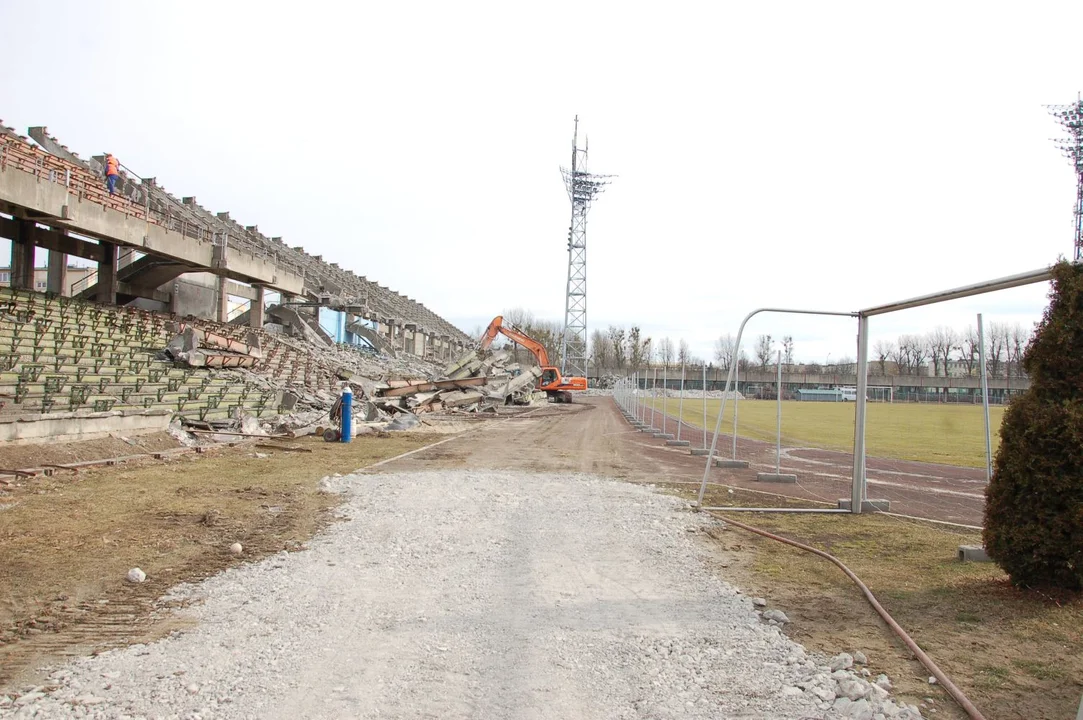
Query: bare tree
x=743, y=363
x=787, y=350
x=666, y=353
x=601, y=352
x=635, y=352
x=900, y=355
x=1018, y=338
x=884, y=350
x=846, y=365
x=724, y=348
x=684, y=353
x=616, y=342
x=968, y=350
x=764, y=350
x=941, y=342
x=996, y=342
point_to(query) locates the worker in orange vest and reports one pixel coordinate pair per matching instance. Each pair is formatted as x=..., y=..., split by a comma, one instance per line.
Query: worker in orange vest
x=112, y=171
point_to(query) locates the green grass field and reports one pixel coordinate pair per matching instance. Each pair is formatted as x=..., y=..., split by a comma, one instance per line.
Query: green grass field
x=948, y=434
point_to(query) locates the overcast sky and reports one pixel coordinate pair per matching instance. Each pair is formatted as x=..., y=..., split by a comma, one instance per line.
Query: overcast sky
x=812, y=155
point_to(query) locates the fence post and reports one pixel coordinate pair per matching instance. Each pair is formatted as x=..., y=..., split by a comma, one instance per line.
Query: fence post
x=665, y=381
x=778, y=417
x=654, y=395
x=985, y=401
x=680, y=404
x=704, y=406
x=736, y=384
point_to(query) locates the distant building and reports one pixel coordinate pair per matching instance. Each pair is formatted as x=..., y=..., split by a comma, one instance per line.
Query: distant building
x=76, y=277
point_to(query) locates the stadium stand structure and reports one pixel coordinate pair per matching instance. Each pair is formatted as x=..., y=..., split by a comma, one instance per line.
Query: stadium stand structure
x=65, y=355
x=147, y=239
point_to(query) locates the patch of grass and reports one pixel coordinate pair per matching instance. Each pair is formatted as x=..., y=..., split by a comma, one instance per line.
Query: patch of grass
x=966, y=616
x=68, y=540
x=993, y=677
x=1041, y=670
x=947, y=434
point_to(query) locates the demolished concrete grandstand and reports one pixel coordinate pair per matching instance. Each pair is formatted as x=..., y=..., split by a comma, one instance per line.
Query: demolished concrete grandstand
x=178, y=327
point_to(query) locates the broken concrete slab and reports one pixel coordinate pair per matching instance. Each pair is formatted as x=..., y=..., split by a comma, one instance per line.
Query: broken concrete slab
x=776, y=477
x=730, y=464
x=460, y=398
x=866, y=505
x=973, y=553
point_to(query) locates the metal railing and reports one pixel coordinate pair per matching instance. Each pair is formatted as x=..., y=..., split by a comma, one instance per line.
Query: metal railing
x=90, y=278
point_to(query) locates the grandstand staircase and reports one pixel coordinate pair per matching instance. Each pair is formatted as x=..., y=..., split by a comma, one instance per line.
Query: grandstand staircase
x=142, y=278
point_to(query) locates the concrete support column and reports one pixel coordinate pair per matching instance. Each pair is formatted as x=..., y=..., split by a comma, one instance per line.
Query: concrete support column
x=405, y=345
x=255, y=311
x=58, y=273
x=223, y=299
x=107, y=275
x=22, y=256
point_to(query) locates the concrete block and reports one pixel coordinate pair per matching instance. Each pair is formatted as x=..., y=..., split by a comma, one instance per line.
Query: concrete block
x=663, y=436
x=702, y=452
x=776, y=478
x=973, y=553
x=867, y=505
x=730, y=464
x=678, y=443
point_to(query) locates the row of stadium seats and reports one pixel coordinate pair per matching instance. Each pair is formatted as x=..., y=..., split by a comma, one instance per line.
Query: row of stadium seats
x=62, y=354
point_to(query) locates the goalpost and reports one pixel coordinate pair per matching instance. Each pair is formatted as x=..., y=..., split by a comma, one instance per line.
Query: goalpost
x=880, y=393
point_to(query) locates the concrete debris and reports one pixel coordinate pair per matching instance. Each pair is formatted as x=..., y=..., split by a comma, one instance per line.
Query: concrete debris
x=471, y=383
x=199, y=348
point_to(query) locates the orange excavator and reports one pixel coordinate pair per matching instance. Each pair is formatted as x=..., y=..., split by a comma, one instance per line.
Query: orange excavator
x=557, y=389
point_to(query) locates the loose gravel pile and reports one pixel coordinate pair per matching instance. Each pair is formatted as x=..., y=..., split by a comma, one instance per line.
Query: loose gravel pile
x=473, y=594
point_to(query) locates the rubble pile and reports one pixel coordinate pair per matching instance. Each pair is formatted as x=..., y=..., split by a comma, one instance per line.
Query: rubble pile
x=389, y=391
x=475, y=382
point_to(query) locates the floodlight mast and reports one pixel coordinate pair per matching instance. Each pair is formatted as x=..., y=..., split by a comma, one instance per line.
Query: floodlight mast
x=582, y=187
x=1071, y=119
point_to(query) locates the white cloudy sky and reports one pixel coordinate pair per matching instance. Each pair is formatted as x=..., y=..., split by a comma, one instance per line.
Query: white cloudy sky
x=815, y=155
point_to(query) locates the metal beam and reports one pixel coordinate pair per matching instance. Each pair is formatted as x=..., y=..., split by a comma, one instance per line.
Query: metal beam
x=54, y=240
x=1027, y=278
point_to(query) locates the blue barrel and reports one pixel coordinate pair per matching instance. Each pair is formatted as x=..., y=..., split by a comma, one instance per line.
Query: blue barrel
x=347, y=414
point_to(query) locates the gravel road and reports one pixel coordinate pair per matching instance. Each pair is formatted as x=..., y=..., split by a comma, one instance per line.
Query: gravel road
x=474, y=594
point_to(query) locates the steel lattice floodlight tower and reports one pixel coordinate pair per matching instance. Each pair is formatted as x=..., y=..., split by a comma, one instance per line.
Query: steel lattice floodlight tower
x=582, y=187
x=1071, y=118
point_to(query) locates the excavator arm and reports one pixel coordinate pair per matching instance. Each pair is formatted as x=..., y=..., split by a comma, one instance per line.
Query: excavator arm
x=497, y=327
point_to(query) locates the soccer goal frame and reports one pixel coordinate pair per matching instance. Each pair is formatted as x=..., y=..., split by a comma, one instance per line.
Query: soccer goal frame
x=859, y=489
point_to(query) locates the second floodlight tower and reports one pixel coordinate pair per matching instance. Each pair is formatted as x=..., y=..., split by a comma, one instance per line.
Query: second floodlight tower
x=1071, y=119
x=582, y=188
